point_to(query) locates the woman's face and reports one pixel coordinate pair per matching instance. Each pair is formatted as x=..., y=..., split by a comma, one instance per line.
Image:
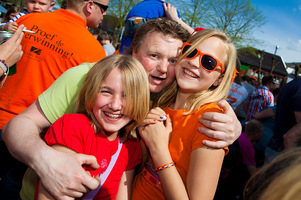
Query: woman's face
x=110, y=103
x=192, y=77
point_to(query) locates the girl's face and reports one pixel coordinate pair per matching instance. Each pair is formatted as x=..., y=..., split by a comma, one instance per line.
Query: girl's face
x=191, y=76
x=110, y=103
x=12, y=15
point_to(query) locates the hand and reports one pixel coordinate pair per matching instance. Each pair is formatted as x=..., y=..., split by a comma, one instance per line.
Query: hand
x=171, y=12
x=223, y=127
x=10, y=26
x=63, y=176
x=156, y=136
x=11, y=50
x=154, y=115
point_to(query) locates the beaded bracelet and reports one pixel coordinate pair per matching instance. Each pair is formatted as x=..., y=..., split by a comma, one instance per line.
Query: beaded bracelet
x=4, y=66
x=165, y=166
x=5, y=69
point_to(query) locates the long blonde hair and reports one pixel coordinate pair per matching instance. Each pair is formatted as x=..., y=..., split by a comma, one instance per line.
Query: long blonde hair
x=135, y=83
x=212, y=94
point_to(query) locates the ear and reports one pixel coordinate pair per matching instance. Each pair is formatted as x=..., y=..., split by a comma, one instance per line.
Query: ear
x=89, y=7
x=51, y=6
x=218, y=80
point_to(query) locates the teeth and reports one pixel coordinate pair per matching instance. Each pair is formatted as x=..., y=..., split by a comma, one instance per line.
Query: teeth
x=113, y=116
x=189, y=73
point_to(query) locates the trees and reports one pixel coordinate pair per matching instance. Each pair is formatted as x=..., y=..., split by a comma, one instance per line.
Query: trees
x=237, y=18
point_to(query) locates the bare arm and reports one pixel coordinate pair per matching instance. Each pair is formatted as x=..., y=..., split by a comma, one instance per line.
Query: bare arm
x=204, y=167
x=125, y=185
x=11, y=50
x=267, y=113
x=293, y=136
x=224, y=127
x=171, y=13
x=60, y=173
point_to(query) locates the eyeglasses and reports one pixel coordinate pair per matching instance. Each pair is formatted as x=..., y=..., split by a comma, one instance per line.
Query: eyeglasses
x=103, y=7
x=208, y=62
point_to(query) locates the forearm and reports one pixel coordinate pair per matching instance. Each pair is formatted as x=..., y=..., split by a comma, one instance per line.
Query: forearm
x=170, y=179
x=15, y=135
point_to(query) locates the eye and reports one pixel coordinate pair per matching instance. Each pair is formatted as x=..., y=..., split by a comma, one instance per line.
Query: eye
x=154, y=55
x=105, y=91
x=173, y=61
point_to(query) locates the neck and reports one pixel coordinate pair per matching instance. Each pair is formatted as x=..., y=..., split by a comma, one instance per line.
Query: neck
x=76, y=12
x=180, y=100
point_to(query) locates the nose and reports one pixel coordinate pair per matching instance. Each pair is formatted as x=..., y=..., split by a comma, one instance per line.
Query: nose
x=104, y=13
x=195, y=62
x=116, y=103
x=162, y=66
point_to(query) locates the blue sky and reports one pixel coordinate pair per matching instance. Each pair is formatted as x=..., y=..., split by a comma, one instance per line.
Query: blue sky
x=283, y=28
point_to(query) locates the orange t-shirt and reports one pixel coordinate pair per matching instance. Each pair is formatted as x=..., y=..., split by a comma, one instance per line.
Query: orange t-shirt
x=61, y=41
x=184, y=139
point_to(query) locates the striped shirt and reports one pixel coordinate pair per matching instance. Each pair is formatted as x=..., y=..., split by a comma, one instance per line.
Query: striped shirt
x=259, y=99
x=16, y=17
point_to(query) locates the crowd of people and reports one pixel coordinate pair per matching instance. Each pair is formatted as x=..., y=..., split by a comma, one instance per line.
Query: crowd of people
x=148, y=120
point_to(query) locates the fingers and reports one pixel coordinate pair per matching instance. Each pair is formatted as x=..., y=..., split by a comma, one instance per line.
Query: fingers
x=88, y=160
x=226, y=107
x=215, y=145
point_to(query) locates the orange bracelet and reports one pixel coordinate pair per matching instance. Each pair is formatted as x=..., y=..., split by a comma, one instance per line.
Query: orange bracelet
x=165, y=166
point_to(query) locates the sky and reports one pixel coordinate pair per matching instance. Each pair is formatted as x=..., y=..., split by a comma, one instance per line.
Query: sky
x=283, y=28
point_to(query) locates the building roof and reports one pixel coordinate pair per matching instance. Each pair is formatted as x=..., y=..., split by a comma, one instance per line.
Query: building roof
x=251, y=57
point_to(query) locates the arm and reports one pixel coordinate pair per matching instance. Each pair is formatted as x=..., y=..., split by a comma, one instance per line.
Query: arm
x=204, y=167
x=293, y=136
x=224, y=127
x=171, y=13
x=9, y=26
x=125, y=185
x=11, y=50
x=60, y=173
x=267, y=113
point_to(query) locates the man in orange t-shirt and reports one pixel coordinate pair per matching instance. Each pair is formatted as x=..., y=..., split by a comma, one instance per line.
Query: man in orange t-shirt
x=61, y=41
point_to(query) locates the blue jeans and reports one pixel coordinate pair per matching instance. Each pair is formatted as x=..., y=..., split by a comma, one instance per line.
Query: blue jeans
x=12, y=172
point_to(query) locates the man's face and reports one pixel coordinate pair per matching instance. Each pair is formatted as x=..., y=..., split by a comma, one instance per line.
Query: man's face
x=96, y=13
x=158, y=54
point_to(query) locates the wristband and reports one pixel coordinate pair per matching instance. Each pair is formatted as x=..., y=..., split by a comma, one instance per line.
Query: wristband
x=165, y=166
x=5, y=69
x=4, y=66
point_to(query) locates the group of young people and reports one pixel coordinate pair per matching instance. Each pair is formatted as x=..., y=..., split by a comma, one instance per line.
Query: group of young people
x=183, y=138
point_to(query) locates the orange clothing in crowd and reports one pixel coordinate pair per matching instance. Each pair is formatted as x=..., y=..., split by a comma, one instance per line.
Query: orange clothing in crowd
x=184, y=139
x=61, y=41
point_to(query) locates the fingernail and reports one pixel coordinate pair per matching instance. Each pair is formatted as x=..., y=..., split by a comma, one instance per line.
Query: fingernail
x=155, y=120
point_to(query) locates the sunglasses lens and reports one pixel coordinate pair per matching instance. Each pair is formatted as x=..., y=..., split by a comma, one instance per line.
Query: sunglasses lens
x=208, y=62
x=192, y=54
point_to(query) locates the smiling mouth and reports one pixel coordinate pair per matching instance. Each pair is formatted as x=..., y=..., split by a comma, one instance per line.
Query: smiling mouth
x=189, y=73
x=113, y=116
x=158, y=78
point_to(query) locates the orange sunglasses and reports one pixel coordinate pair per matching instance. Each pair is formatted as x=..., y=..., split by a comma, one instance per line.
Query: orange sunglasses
x=208, y=62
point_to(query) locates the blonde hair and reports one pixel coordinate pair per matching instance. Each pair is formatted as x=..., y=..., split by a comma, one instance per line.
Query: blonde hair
x=135, y=83
x=212, y=94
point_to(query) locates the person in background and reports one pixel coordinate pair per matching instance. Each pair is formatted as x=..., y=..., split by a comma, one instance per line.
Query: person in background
x=260, y=98
x=106, y=42
x=288, y=120
x=48, y=52
x=267, y=117
x=10, y=14
x=144, y=11
x=237, y=93
x=33, y=6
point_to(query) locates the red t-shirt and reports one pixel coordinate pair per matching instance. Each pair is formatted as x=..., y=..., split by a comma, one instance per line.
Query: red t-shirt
x=75, y=132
